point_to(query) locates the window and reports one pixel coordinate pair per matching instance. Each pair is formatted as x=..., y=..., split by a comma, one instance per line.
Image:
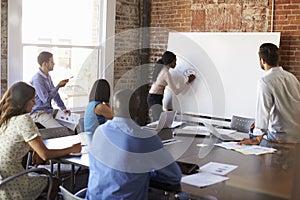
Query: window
x=73, y=30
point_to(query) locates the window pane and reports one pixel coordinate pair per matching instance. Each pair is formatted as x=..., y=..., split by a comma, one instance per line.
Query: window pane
x=72, y=22
x=70, y=30
x=79, y=63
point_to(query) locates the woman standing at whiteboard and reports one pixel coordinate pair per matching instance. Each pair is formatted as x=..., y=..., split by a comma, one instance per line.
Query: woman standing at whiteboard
x=161, y=79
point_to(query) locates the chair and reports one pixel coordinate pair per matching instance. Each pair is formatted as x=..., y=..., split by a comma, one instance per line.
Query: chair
x=241, y=124
x=48, y=133
x=67, y=195
x=37, y=170
x=81, y=124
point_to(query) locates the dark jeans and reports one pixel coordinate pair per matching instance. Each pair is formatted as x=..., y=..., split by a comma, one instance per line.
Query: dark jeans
x=155, y=105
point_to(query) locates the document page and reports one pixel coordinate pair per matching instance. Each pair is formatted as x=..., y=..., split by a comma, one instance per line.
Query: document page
x=246, y=149
x=69, y=121
x=194, y=130
x=203, y=179
x=218, y=168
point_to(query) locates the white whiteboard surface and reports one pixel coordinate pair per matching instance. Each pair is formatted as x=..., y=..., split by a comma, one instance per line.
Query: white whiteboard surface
x=227, y=71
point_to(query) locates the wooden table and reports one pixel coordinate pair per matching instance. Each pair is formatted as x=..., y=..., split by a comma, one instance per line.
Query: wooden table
x=264, y=177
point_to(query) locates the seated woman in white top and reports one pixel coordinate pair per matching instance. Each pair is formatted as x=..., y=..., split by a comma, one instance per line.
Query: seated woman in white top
x=164, y=78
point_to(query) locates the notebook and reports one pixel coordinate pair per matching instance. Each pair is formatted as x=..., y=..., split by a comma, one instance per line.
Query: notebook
x=234, y=136
x=165, y=121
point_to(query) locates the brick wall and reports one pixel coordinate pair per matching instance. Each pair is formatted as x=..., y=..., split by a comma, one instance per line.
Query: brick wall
x=3, y=46
x=127, y=40
x=231, y=16
x=287, y=21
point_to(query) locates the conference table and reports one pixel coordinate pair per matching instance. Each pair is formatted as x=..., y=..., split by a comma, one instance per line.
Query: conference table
x=271, y=176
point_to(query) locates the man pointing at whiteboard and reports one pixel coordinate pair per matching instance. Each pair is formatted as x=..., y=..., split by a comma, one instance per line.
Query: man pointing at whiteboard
x=278, y=101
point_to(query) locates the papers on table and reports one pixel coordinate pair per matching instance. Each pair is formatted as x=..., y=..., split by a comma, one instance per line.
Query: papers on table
x=209, y=174
x=201, y=130
x=176, y=124
x=203, y=179
x=217, y=168
x=223, y=131
x=194, y=130
x=246, y=149
x=170, y=141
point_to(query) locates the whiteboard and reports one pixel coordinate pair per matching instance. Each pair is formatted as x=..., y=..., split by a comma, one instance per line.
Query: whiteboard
x=227, y=71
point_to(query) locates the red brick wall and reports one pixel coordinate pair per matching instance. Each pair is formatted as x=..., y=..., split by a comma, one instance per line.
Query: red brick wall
x=231, y=16
x=287, y=21
x=126, y=44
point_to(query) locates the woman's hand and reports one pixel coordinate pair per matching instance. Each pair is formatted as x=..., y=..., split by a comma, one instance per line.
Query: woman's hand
x=76, y=148
x=254, y=141
x=67, y=112
x=37, y=160
x=191, y=78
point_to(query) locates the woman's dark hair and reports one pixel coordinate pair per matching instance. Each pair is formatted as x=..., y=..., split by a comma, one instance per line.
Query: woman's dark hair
x=100, y=91
x=14, y=101
x=167, y=58
x=44, y=57
x=269, y=53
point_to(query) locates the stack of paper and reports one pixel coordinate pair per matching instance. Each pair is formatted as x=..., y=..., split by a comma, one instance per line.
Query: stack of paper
x=209, y=174
x=246, y=149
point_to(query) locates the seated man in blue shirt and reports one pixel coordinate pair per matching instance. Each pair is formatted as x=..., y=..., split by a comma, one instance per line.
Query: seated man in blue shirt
x=42, y=112
x=124, y=158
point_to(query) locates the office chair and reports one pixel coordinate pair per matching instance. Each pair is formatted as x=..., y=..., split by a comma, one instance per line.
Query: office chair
x=67, y=195
x=48, y=133
x=241, y=124
x=37, y=170
x=81, y=125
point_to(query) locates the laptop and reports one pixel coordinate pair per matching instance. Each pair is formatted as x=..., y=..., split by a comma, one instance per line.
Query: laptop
x=234, y=136
x=165, y=121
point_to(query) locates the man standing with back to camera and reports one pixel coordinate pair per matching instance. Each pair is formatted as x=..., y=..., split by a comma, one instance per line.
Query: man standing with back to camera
x=278, y=103
x=42, y=112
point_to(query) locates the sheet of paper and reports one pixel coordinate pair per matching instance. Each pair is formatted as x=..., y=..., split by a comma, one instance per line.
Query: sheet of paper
x=203, y=179
x=255, y=150
x=217, y=168
x=195, y=130
x=171, y=141
x=61, y=142
x=228, y=145
x=176, y=123
x=69, y=121
x=152, y=124
x=225, y=131
x=246, y=149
